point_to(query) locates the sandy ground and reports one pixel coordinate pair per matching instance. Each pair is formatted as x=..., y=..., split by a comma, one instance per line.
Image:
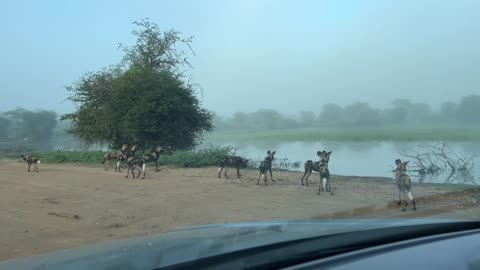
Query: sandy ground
x=71, y=205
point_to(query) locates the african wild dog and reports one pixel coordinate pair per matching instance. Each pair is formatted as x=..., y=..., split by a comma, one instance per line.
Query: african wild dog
x=265, y=166
x=31, y=160
x=325, y=178
x=130, y=158
x=263, y=172
x=315, y=166
x=130, y=153
x=119, y=156
x=269, y=159
x=404, y=185
x=237, y=162
x=141, y=163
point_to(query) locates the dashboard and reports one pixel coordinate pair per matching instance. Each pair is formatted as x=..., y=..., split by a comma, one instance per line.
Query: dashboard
x=459, y=251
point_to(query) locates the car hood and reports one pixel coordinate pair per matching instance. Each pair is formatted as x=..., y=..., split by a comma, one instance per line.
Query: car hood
x=196, y=242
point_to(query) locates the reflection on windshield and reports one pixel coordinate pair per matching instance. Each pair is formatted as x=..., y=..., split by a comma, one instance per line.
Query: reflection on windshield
x=119, y=121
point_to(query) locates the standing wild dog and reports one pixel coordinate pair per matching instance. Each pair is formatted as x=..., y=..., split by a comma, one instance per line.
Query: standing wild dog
x=269, y=159
x=266, y=165
x=119, y=156
x=263, y=172
x=324, y=172
x=315, y=166
x=129, y=157
x=31, y=160
x=237, y=162
x=141, y=163
x=404, y=185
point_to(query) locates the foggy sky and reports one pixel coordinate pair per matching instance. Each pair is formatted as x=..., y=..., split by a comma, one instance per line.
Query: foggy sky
x=285, y=55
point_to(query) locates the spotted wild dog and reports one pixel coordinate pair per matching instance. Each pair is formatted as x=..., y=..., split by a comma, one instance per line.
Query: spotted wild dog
x=315, y=166
x=119, y=156
x=237, y=162
x=263, y=172
x=404, y=185
x=31, y=160
x=324, y=178
x=141, y=162
x=129, y=157
x=269, y=159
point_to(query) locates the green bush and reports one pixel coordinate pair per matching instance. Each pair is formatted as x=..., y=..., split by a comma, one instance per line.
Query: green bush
x=205, y=157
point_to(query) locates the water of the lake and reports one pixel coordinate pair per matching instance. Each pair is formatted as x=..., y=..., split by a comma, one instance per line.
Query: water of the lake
x=348, y=158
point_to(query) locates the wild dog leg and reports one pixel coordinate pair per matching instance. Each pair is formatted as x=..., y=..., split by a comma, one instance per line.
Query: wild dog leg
x=117, y=166
x=143, y=170
x=157, y=168
x=329, y=187
x=238, y=172
x=130, y=168
x=306, y=175
x=399, y=195
x=306, y=178
x=225, y=172
x=412, y=200
x=220, y=169
x=270, y=170
x=105, y=161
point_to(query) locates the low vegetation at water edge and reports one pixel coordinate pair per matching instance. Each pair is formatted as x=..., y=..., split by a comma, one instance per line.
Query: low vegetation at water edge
x=197, y=158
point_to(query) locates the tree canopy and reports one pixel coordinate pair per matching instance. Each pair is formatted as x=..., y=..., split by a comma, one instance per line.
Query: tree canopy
x=144, y=99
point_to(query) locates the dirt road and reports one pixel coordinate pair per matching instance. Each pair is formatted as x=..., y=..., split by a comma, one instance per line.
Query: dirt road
x=71, y=205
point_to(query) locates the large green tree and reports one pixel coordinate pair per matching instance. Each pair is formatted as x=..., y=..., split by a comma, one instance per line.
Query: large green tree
x=145, y=99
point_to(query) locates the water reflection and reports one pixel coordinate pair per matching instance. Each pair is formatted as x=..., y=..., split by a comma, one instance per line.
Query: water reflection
x=348, y=158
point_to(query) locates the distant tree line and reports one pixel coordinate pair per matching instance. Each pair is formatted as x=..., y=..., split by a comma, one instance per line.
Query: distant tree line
x=402, y=112
x=25, y=129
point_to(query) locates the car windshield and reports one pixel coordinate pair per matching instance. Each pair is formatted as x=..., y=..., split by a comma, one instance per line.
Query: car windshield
x=135, y=118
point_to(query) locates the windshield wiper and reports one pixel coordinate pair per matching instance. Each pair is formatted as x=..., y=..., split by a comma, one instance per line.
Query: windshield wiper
x=294, y=252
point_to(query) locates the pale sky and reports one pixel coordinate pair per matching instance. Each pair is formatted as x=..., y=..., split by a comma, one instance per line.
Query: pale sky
x=287, y=55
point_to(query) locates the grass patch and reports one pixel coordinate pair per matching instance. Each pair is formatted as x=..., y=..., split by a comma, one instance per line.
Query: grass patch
x=199, y=158
x=352, y=134
x=84, y=157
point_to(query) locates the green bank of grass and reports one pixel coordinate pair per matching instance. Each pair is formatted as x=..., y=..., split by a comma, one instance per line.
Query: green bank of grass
x=200, y=158
x=352, y=134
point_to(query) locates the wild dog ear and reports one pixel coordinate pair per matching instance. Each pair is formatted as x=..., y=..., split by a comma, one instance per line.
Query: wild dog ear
x=329, y=153
x=319, y=153
x=269, y=152
x=398, y=161
x=405, y=163
x=273, y=153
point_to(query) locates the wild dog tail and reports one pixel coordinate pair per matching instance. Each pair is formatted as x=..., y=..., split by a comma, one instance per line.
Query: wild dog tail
x=38, y=161
x=105, y=157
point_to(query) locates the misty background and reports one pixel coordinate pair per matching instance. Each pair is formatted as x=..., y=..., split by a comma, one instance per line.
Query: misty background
x=260, y=65
x=289, y=56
